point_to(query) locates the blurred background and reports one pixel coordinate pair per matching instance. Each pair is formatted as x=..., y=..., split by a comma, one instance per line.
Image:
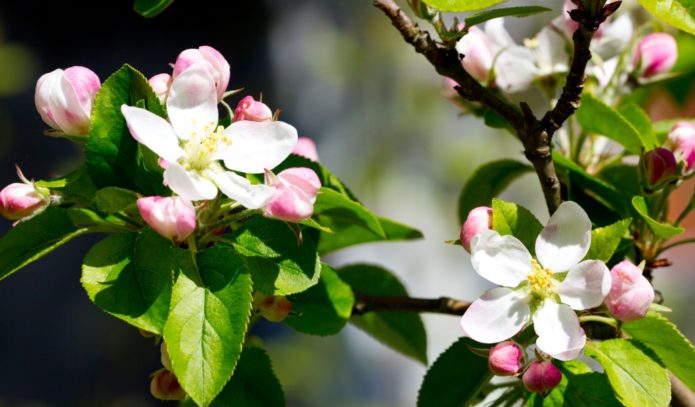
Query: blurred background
x=342, y=76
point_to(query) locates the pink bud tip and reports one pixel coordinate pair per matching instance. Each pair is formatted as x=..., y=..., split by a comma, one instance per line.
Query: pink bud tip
x=506, y=359
x=681, y=141
x=659, y=165
x=478, y=219
x=19, y=200
x=541, y=377
x=172, y=217
x=216, y=63
x=160, y=84
x=252, y=110
x=630, y=294
x=656, y=54
x=273, y=308
x=294, y=196
x=306, y=148
x=165, y=386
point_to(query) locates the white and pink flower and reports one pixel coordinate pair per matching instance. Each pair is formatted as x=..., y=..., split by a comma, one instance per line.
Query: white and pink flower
x=171, y=216
x=681, y=141
x=544, y=291
x=192, y=143
x=306, y=148
x=294, y=194
x=212, y=59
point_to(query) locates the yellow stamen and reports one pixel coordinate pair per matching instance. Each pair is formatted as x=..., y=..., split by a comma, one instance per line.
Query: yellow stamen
x=540, y=279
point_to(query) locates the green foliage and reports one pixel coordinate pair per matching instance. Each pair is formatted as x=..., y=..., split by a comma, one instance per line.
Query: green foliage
x=253, y=384
x=462, y=5
x=455, y=378
x=636, y=379
x=580, y=387
x=323, y=309
x=278, y=263
x=328, y=180
x=605, y=240
x=674, y=350
x=487, y=182
x=32, y=239
x=639, y=119
x=597, y=117
x=151, y=8
x=205, y=331
x=130, y=276
x=402, y=331
x=113, y=156
x=114, y=199
x=678, y=13
x=511, y=219
x=523, y=11
x=661, y=230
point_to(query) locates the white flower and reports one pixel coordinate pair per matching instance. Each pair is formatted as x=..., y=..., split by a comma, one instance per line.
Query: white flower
x=192, y=144
x=544, y=291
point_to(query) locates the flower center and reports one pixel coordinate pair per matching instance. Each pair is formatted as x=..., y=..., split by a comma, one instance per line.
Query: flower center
x=203, y=150
x=541, y=280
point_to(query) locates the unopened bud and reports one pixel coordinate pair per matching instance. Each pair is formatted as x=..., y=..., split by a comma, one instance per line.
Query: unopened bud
x=478, y=219
x=656, y=53
x=273, y=308
x=541, y=377
x=478, y=53
x=21, y=200
x=172, y=217
x=506, y=359
x=306, y=148
x=681, y=141
x=659, y=166
x=165, y=386
x=630, y=294
x=217, y=65
x=294, y=195
x=252, y=110
x=160, y=84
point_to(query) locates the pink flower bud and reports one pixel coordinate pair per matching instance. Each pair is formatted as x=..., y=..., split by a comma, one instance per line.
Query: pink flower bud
x=479, y=53
x=306, y=148
x=217, y=65
x=681, y=141
x=273, y=308
x=252, y=110
x=541, y=377
x=294, y=196
x=64, y=99
x=165, y=386
x=659, y=165
x=631, y=293
x=506, y=359
x=160, y=84
x=172, y=217
x=478, y=219
x=20, y=200
x=656, y=53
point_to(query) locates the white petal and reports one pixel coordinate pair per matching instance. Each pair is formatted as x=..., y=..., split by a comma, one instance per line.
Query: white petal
x=502, y=260
x=192, y=102
x=498, y=34
x=189, y=185
x=586, y=285
x=558, y=330
x=252, y=196
x=257, y=146
x=515, y=69
x=551, y=54
x=498, y=315
x=153, y=132
x=566, y=238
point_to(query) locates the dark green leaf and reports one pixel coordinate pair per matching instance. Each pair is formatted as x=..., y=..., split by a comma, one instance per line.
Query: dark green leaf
x=75, y=187
x=253, y=384
x=462, y=5
x=323, y=309
x=605, y=240
x=678, y=13
x=114, y=199
x=523, y=11
x=512, y=219
x=661, y=230
x=597, y=117
x=328, y=180
x=455, y=378
x=150, y=8
x=402, y=331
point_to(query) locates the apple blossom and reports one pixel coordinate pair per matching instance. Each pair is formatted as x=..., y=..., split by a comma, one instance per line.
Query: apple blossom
x=478, y=219
x=64, y=99
x=160, y=84
x=165, y=386
x=22, y=199
x=172, y=217
x=215, y=63
x=306, y=148
x=659, y=166
x=478, y=53
x=656, y=53
x=541, y=377
x=294, y=194
x=191, y=142
x=253, y=110
x=543, y=290
x=506, y=359
x=631, y=293
x=681, y=141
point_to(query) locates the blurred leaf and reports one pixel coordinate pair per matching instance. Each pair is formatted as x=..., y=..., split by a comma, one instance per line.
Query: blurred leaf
x=605, y=240
x=678, y=13
x=18, y=66
x=402, y=331
x=150, y=8
x=207, y=323
x=253, y=384
x=579, y=387
x=512, y=219
x=323, y=309
x=455, y=378
x=597, y=117
x=642, y=123
x=462, y=5
x=621, y=177
x=487, y=182
x=523, y=11
x=674, y=350
x=661, y=230
x=114, y=199
x=636, y=379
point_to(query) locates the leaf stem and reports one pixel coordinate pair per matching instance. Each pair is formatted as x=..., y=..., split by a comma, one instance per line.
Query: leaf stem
x=598, y=318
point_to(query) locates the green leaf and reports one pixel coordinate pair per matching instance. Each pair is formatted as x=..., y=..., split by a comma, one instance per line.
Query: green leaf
x=455, y=378
x=114, y=199
x=597, y=117
x=678, y=13
x=130, y=276
x=642, y=123
x=328, y=180
x=484, y=16
x=605, y=240
x=150, y=8
x=323, y=309
x=207, y=323
x=402, y=331
x=278, y=264
x=462, y=5
x=393, y=231
x=672, y=348
x=253, y=384
x=661, y=230
x=580, y=387
x=337, y=211
x=487, y=182
x=636, y=379
x=34, y=238
x=512, y=219
x=113, y=156
x=75, y=187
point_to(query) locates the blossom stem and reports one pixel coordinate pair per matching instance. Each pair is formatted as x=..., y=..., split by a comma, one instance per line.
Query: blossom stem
x=443, y=305
x=598, y=318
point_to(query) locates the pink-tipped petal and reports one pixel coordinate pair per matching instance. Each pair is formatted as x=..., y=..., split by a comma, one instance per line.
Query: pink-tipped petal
x=478, y=219
x=160, y=84
x=192, y=103
x=20, y=200
x=172, y=217
x=497, y=315
x=681, y=141
x=253, y=110
x=631, y=294
x=215, y=63
x=565, y=240
x=656, y=53
x=306, y=148
x=586, y=285
x=294, y=195
x=478, y=53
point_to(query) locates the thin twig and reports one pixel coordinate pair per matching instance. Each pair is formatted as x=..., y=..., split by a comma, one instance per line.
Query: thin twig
x=444, y=305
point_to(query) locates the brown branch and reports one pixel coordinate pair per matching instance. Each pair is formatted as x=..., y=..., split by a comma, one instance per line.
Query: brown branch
x=444, y=305
x=682, y=396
